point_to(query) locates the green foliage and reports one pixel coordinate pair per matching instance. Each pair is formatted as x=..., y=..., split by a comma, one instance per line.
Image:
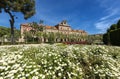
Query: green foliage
x=113, y=35
x=5, y=35
x=35, y=34
x=37, y=27
x=51, y=38
x=94, y=39
x=105, y=38
x=4, y=31
x=17, y=34
x=26, y=7
x=113, y=27
x=118, y=24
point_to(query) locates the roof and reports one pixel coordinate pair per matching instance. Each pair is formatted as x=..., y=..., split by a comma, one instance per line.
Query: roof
x=50, y=27
x=78, y=31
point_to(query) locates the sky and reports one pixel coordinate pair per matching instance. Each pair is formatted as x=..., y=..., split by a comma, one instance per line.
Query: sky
x=93, y=16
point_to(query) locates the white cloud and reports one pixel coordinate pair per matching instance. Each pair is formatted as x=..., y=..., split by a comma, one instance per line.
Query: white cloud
x=112, y=11
x=111, y=8
x=102, y=26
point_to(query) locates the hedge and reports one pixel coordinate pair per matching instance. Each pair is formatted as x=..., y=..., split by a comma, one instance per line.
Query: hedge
x=115, y=37
x=105, y=38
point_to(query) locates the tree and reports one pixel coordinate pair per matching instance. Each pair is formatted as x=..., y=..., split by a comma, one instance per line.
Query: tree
x=33, y=33
x=3, y=31
x=26, y=7
x=45, y=36
x=39, y=36
x=118, y=24
x=51, y=38
x=41, y=22
x=112, y=36
x=113, y=27
x=37, y=28
x=27, y=36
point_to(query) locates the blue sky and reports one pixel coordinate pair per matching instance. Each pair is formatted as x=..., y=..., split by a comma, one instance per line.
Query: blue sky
x=93, y=16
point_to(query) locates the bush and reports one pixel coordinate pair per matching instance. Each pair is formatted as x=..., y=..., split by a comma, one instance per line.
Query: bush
x=115, y=37
x=105, y=38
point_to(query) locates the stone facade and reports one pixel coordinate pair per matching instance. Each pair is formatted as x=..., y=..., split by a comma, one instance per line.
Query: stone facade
x=62, y=28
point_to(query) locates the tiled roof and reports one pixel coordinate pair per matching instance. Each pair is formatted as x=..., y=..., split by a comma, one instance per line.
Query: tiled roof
x=77, y=31
x=50, y=27
x=73, y=30
x=27, y=25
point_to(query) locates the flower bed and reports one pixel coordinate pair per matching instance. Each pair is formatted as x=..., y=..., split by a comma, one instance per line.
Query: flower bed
x=81, y=42
x=59, y=61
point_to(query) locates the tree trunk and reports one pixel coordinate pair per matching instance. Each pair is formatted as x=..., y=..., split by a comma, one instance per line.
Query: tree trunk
x=12, y=32
x=12, y=21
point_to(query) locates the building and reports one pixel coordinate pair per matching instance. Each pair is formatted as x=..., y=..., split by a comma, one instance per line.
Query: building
x=62, y=28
